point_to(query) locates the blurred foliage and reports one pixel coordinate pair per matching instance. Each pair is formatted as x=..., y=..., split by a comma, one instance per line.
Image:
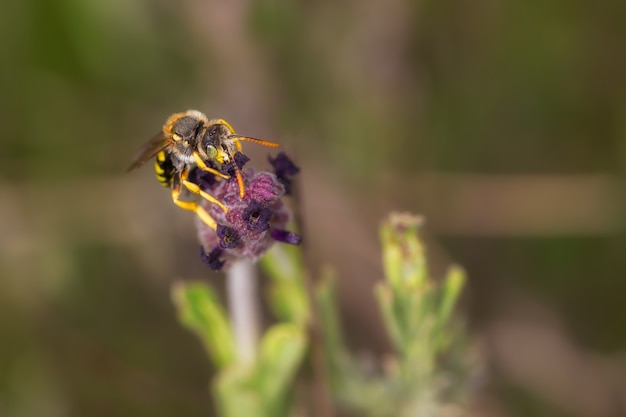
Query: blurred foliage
x=429, y=373
x=81, y=75
x=240, y=388
x=263, y=388
x=363, y=90
x=428, y=376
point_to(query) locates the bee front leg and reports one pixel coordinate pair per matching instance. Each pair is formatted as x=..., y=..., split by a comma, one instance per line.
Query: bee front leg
x=194, y=188
x=204, y=167
x=192, y=206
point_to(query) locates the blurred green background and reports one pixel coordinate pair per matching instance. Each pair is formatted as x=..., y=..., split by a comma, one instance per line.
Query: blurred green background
x=503, y=123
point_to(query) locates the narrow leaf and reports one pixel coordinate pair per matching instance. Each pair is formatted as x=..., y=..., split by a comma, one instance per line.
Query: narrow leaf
x=280, y=354
x=200, y=311
x=451, y=289
x=237, y=394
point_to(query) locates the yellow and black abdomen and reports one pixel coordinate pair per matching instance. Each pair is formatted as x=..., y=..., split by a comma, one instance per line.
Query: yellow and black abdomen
x=164, y=169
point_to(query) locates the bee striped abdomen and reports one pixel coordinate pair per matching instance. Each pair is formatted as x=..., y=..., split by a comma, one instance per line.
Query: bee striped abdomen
x=164, y=169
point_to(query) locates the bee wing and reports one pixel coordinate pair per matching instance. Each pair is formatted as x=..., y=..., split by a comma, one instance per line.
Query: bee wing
x=149, y=150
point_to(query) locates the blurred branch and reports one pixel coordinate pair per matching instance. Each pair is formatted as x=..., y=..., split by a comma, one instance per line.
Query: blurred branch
x=463, y=204
x=513, y=205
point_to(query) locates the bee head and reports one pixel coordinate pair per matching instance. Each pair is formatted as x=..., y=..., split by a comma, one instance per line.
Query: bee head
x=217, y=144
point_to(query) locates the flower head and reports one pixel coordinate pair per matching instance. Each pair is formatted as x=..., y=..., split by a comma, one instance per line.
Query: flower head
x=251, y=225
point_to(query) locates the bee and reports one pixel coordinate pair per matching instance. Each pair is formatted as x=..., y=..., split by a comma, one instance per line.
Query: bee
x=190, y=140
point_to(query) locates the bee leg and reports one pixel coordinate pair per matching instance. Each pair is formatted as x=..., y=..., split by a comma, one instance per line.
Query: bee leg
x=192, y=206
x=204, y=167
x=194, y=188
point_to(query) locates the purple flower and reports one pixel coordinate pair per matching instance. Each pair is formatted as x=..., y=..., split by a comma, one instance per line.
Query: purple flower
x=251, y=224
x=283, y=166
x=228, y=237
x=212, y=259
x=257, y=217
x=286, y=237
x=239, y=159
x=207, y=180
x=284, y=169
x=204, y=179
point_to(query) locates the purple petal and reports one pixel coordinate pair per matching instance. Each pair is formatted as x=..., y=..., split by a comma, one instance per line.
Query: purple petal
x=205, y=180
x=257, y=217
x=239, y=159
x=283, y=166
x=228, y=237
x=286, y=237
x=212, y=259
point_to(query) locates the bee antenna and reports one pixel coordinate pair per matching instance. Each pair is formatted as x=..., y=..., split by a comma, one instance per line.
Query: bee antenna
x=254, y=140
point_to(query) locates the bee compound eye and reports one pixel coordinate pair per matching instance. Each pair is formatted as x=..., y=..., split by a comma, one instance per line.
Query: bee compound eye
x=211, y=151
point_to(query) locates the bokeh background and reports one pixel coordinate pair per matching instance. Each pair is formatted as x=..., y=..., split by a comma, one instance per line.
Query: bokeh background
x=503, y=123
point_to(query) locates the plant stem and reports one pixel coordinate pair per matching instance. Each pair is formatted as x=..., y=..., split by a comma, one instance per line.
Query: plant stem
x=241, y=285
x=323, y=405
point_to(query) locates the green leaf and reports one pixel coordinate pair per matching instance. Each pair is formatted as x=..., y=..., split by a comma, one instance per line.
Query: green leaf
x=288, y=297
x=262, y=390
x=283, y=263
x=391, y=316
x=237, y=394
x=451, y=289
x=281, y=352
x=334, y=345
x=289, y=301
x=200, y=311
